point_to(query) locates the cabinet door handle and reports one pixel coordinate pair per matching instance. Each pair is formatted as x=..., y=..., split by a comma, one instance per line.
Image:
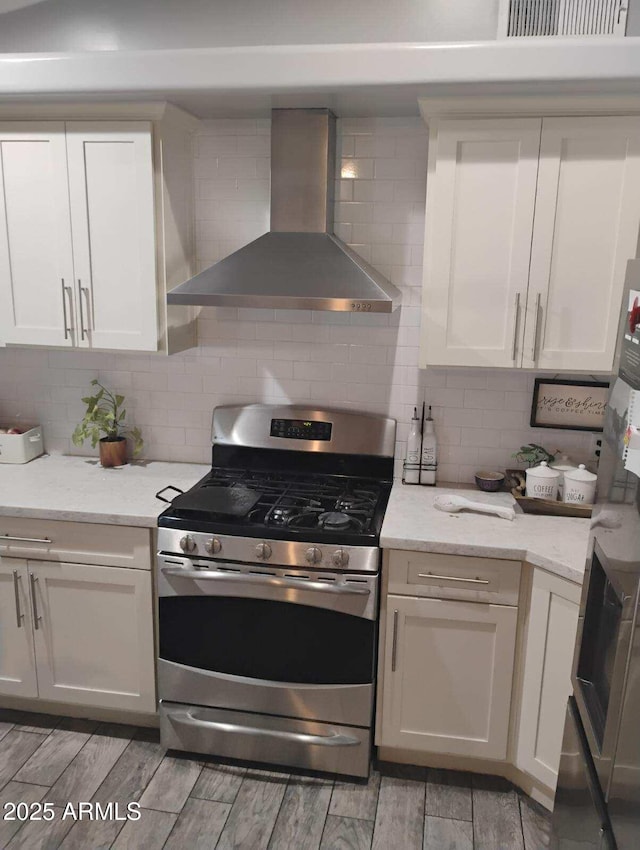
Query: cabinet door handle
x=34, y=602
x=514, y=350
x=534, y=352
x=394, y=645
x=67, y=327
x=25, y=539
x=83, y=290
x=16, y=590
x=454, y=578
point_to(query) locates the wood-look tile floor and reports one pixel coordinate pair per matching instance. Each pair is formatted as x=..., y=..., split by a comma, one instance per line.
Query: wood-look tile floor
x=196, y=803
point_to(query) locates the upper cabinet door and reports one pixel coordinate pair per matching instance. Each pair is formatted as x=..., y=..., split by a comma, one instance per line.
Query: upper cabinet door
x=112, y=214
x=586, y=228
x=36, y=262
x=481, y=189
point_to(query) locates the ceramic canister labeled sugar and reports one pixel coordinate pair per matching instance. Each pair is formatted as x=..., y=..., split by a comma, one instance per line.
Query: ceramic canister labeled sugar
x=542, y=482
x=580, y=486
x=563, y=464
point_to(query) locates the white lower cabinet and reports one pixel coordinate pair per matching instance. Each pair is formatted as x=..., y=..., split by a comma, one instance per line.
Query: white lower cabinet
x=85, y=635
x=546, y=682
x=17, y=658
x=448, y=668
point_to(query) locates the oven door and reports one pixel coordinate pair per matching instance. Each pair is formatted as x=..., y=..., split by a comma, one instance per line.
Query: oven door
x=293, y=643
x=603, y=641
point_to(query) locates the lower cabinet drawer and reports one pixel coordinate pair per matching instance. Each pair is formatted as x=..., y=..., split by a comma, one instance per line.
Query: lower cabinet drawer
x=454, y=577
x=76, y=542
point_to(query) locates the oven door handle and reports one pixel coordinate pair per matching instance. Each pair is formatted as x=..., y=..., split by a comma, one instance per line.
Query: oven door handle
x=336, y=739
x=341, y=589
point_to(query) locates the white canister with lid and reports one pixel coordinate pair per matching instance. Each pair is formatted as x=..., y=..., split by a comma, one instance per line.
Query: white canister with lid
x=542, y=482
x=580, y=486
x=563, y=464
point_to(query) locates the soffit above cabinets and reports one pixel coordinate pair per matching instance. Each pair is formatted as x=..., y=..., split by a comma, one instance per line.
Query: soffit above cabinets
x=351, y=79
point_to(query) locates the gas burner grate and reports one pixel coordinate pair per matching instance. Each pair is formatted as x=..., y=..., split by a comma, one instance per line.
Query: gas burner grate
x=332, y=503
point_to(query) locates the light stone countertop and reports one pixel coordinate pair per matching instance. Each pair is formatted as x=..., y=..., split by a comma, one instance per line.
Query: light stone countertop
x=557, y=544
x=78, y=489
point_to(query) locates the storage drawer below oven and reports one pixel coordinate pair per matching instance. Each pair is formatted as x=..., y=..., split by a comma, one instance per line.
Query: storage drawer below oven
x=275, y=740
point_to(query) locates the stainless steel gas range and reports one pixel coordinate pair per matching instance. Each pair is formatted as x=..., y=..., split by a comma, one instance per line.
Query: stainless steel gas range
x=268, y=580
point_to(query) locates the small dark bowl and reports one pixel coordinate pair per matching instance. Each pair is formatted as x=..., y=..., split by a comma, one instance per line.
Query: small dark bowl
x=490, y=482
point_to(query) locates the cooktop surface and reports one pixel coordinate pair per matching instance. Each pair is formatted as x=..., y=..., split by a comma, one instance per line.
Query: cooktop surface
x=264, y=503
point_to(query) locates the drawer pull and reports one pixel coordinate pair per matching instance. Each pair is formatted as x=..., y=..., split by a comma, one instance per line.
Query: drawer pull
x=334, y=739
x=16, y=590
x=25, y=539
x=394, y=647
x=455, y=578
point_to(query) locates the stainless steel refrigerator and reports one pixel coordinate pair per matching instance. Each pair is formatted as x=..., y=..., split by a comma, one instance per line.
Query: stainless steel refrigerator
x=598, y=796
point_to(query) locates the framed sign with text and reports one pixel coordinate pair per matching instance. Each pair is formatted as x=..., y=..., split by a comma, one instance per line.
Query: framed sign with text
x=574, y=405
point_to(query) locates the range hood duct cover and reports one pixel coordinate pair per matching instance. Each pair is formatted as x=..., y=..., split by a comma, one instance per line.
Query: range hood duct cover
x=300, y=263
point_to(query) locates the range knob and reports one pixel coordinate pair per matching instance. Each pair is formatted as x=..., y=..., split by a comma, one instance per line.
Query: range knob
x=313, y=555
x=187, y=543
x=263, y=551
x=340, y=558
x=213, y=546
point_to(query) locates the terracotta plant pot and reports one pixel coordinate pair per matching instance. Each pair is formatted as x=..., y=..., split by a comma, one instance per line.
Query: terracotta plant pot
x=113, y=452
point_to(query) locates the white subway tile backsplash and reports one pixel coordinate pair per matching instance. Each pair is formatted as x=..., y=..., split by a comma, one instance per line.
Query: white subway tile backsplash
x=503, y=419
x=484, y=399
x=254, y=146
x=354, y=213
x=356, y=169
x=378, y=191
x=275, y=369
x=387, y=168
x=375, y=146
x=358, y=361
x=236, y=166
x=215, y=146
x=310, y=371
x=480, y=437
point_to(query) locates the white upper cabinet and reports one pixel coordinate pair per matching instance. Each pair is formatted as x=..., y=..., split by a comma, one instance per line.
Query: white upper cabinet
x=88, y=244
x=480, y=205
x=586, y=228
x=529, y=226
x=36, y=262
x=112, y=219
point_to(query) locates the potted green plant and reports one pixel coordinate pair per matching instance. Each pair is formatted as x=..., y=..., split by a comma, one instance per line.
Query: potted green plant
x=105, y=416
x=533, y=454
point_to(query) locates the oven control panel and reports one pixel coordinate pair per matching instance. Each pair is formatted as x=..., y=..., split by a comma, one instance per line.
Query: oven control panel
x=301, y=429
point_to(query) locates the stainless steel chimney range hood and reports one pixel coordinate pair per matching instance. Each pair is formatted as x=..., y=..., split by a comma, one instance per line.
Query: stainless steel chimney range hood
x=300, y=263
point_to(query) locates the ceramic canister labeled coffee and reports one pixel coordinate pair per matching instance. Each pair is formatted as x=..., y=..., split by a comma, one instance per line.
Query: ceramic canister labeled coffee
x=542, y=482
x=579, y=486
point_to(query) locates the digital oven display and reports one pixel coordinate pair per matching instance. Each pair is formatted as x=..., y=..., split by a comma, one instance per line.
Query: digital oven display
x=300, y=429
